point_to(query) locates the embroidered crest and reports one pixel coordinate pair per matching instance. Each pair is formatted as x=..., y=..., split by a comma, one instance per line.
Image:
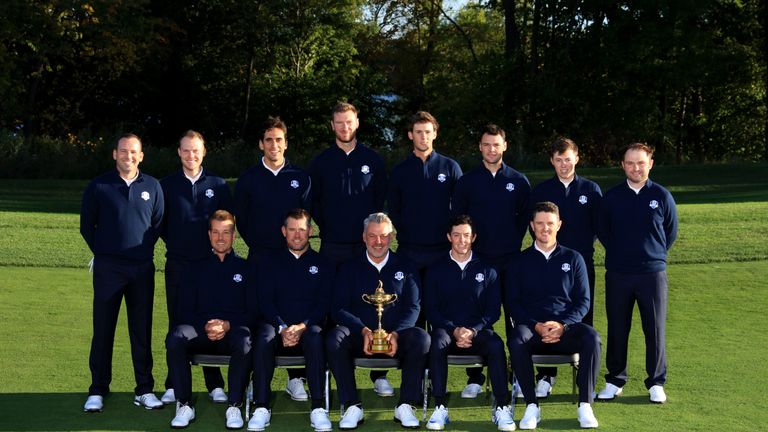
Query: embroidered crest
x=510, y=187
x=295, y=184
x=479, y=277
x=566, y=267
x=399, y=275
x=583, y=199
x=237, y=277
x=209, y=193
x=145, y=196
x=441, y=178
x=364, y=169
x=313, y=270
x=653, y=204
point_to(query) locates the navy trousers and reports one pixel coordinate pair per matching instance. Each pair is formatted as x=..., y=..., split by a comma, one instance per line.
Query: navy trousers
x=342, y=346
x=580, y=338
x=267, y=344
x=649, y=290
x=487, y=344
x=185, y=340
x=114, y=279
x=174, y=269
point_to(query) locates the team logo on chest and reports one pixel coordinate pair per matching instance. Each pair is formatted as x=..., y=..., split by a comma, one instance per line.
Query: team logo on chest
x=565, y=267
x=313, y=270
x=583, y=199
x=653, y=204
x=209, y=193
x=145, y=196
x=295, y=184
x=510, y=187
x=237, y=277
x=479, y=277
x=399, y=275
x=364, y=169
x=441, y=178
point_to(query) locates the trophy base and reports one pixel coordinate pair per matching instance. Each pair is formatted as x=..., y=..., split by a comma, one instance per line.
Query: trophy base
x=380, y=347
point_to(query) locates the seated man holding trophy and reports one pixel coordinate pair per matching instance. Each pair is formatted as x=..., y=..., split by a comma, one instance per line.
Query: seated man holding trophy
x=375, y=305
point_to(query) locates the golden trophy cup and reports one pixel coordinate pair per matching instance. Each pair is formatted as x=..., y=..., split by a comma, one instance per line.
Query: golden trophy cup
x=379, y=298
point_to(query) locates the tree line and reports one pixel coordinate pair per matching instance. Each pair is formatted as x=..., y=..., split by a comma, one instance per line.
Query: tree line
x=687, y=76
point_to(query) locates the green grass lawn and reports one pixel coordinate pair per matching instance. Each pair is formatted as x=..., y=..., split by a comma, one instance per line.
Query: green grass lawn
x=716, y=347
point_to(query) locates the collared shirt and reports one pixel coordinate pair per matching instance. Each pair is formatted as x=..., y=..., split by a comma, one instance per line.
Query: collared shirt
x=462, y=264
x=380, y=265
x=273, y=171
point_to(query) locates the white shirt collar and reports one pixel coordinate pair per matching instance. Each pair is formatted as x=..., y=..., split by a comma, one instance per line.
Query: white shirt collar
x=275, y=172
x=129, y=181
x=462, y=264
x=637, y=190
x=380, y=265
x=566, y=183
x=195, y=178
x=546, y=254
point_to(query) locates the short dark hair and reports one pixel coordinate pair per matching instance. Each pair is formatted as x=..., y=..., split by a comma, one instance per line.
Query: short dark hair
x=298, y=214
x=343, y=107
x=423, y=117
x=461, y=220
x=273, y=123
x=545, y=207
x=561, y=145
x=492, y=129
x=638, y=146
x=221, y=216
x=127, y=136
x=192, y=134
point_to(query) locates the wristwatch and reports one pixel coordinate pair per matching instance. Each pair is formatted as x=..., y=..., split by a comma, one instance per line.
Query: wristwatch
x=280, y=328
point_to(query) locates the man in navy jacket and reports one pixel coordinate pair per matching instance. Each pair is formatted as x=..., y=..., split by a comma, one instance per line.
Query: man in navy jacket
x=191, y=194
x=267, y=191
x=216, y=311
x=463, y=301
x=637, y=227
x=355, y=320
x=578, y=200
x=294, y=291
x=120, y=219
x=547, y=295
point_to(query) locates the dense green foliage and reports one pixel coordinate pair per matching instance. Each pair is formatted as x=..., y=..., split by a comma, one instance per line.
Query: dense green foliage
x=687, y=76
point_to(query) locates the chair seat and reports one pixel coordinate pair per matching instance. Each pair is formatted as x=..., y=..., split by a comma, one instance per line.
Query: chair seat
x=465, y=360
x=376, y=363
x=209, y=360
x=290, y=361
x=555, y=359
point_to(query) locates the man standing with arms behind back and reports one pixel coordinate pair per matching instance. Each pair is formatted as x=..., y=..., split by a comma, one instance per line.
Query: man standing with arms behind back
x=637, y=226
x=192, y=195
x=120, y=219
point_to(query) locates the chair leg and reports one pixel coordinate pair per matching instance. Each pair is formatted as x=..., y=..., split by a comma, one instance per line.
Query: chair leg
x=248, y=400
x=425, y=390
x=574, y=394
x=327, y=391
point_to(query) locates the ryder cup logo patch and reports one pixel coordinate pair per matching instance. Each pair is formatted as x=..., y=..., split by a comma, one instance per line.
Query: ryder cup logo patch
x=145, y=196
x=566, y=267
x=510, y=187
x=583, y=199
x=364, y=169
x=399, y=276
x=479, y=277
x=653, y=204
x=313, y=270
x=441, y=178
x=295, y=184
x=209, y=193
x=237, y=277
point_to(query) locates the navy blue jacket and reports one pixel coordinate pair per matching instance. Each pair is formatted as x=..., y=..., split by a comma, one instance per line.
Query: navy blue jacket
x=579, y=204
x=262, y=200
x=419, y=199
x=187, y=209
x=120, y=221
x=637, y=230
x=540, y=289
x=468, y=298
x=497, y=206
x=346, y=189
x=292, y=290
x=357, y=277
x=215, y=289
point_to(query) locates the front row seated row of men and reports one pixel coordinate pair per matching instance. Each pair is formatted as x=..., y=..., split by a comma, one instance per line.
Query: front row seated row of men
x=252, y=316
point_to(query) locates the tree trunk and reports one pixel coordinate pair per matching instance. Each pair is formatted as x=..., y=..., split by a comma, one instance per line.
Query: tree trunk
x=247, y=108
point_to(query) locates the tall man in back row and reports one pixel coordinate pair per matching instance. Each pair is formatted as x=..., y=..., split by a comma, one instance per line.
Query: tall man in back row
x=637, y=227
x=191, y=194
x=120, y=219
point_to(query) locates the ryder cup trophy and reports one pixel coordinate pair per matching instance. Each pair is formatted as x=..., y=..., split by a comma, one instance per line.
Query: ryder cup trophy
x=379, y=298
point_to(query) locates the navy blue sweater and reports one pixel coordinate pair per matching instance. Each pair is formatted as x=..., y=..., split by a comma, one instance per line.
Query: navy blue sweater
x=540, y=289
x=497, y=206
x=292, y=290
x=419, y=199
x=637, y=230
x=215, y=289
x=468, y=298
x=120, y=221
x=187, y=209
x=346, y=189
x=262, y=200
x=579, y=204
x=357, y=277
